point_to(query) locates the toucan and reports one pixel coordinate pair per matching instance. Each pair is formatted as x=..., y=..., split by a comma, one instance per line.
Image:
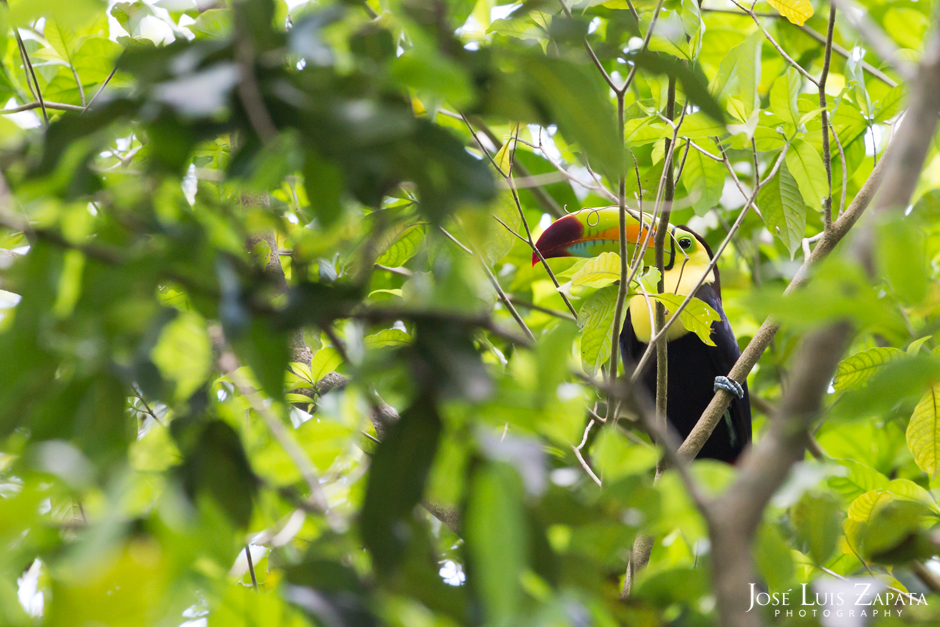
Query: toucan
x=695, y=370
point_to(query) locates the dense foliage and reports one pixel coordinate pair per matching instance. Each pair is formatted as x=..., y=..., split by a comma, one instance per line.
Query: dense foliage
x=255, y=294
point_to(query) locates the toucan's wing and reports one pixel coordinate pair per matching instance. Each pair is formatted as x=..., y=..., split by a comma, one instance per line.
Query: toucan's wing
x=724, y=355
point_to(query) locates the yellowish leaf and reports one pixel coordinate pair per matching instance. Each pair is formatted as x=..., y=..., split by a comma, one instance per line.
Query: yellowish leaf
x=503, y=157
x=697, y=316
x=797, y=11
x=923, y=432
x=598, y=271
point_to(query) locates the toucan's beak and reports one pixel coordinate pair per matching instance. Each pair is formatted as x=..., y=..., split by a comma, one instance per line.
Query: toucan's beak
x=590, y=232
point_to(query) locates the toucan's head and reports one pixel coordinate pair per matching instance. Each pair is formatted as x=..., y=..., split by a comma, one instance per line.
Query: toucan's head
x=590, y=232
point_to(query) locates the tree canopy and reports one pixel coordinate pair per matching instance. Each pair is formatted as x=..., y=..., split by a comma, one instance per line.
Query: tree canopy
x=277, y=348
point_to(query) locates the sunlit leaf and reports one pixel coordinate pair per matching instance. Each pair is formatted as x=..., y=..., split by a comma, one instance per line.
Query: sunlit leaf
x=855, y=370
x=797, y=11
x=923, y=432
x=596, y=319
x=807, y=168
x=325, y=361
x=403, y=247
x=697, y=316
x=783, y=209
x=598, y=271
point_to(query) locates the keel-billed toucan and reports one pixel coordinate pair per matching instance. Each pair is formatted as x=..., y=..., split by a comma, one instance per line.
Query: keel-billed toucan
x=695, y=370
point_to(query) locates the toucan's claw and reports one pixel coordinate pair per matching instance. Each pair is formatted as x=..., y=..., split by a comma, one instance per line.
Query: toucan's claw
x=729, y=385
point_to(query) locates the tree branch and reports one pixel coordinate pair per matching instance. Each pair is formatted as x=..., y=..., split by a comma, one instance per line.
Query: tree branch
x=764, y=467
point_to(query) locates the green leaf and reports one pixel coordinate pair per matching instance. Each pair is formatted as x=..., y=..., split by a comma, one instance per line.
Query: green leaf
x=214, y=23
x=817, y=521
x=502, y=157
x=497, y=541
x=692, y=79
x=215, y=464
x=783, y=97
x=890, y=527
x=923, y=432
x=860, y=479
x=323, y=441
x=783, y=209
x=487, y=236
x=579, y=104
x=184, y=354
x=396, y=482
x=928, y=207
x=696, y=317
x=62, y=40
x=326, y=360
x=599, y=271
x=323, y=181
x=265, y=350
x=808, y=170
x=740, y=72
x=424, y=69
x=596, y=319
x=906, y=26
x=243, y=607
x=862, y=508
x=698, y=125
x=900, y=248
x=890, y=105
x=617, y=456
x=854, y=371
x=773, y=557
x=914, y=347
x=403, y=247
x=704, y=179
x=387, y=338
x=94, y=60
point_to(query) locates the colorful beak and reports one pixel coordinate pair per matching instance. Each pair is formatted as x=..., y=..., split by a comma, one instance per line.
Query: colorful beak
x=590, y=232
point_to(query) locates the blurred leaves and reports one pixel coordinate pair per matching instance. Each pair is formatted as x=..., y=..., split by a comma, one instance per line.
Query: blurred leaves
x=133, y=471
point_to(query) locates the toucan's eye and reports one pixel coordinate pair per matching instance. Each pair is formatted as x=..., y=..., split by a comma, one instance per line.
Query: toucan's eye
x=685, y=243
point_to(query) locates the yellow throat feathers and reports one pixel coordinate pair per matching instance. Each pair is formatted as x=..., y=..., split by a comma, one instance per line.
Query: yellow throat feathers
x=679, y=281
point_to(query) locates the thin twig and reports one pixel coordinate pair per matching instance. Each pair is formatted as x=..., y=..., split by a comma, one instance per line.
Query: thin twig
x=509, y=228
x=505, y=299
x=101, y=89
x=30, y=72
x=827, y=156
x=81, y=88
x=551, y=312
x=538, y=253
x=577, y=453
x=56, y=106
x=614, y=362
x=845, y=174
x=251, y=568
x=147, y=409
